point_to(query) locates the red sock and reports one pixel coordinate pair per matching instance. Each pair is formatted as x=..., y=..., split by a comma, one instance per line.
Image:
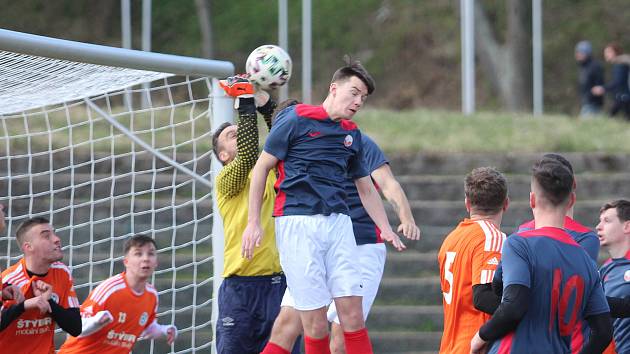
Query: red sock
x=357, y=342
x=316, y=346
x=272, y=348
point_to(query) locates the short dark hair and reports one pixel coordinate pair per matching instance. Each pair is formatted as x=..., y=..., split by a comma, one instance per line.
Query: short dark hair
x=621, y=205
x=282, y=106
x=26, y=226
x=486, y=190
x=554, y=179
x=138, y=240
x=563, y=160
x=215, y=138
x=354, y=68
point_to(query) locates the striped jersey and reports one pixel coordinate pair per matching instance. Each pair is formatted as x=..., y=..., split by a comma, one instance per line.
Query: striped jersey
x=33, y=332
x=132, y=313
x=469, y=256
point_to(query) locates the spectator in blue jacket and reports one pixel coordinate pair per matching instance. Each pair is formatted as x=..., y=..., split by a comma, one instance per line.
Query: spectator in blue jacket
x=617, y=87
x=591, y=74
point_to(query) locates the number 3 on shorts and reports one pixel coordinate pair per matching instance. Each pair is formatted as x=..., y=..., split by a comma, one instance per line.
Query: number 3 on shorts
x=448, y=276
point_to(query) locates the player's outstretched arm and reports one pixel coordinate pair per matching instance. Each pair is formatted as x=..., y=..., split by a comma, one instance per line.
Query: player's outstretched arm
x=156, y=331
x=373, y=204
x=253, y=232
x=233, y=177
x=396, y=196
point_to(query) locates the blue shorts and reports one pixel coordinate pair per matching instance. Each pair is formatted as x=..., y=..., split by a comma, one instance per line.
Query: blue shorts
x=248, y=306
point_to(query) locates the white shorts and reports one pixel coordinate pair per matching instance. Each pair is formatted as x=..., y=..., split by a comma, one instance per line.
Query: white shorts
x=318, y=257
x=372, y=262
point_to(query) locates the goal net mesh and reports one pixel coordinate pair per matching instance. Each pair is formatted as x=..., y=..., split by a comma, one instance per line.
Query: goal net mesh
x=60, y=158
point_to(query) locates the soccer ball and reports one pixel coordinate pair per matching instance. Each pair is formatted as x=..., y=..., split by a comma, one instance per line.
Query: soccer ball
x=269, y=66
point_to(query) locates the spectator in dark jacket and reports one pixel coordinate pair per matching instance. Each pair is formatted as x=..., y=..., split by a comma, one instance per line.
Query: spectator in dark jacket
x=591, y=74
x=617, y=87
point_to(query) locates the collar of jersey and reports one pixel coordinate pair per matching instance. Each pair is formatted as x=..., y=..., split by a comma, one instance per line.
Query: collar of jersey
x=319, y=113
x=555, y=233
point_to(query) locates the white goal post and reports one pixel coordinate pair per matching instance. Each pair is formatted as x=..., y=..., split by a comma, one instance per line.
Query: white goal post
x=79, y=148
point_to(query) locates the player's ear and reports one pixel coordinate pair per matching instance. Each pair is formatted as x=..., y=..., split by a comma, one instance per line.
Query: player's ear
x=333, y=88
x=224, y=156
x=571, y=200
x=532, y=200
x=506, y=204
x=626, y=227
x=467, y=204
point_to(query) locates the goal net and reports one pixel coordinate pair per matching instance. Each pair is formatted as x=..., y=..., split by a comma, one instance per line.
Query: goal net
x=103, y=158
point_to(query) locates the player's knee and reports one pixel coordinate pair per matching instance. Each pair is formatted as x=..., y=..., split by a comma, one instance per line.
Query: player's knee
x=352, y=320
x=316, y=328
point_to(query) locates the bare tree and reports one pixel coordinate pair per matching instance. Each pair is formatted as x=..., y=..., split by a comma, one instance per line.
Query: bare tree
x=507, y=64
x=205, y=26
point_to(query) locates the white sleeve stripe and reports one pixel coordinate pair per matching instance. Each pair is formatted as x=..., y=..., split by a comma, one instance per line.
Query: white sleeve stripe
x=489, y=244
x=11, y=277
x=73, y=301
x=97, y=297
x=494, y=237
x=110, y=292
x=486, y=276
x=102, y=288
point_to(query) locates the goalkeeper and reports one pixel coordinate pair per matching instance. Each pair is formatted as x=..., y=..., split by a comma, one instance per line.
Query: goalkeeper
x=252, y=289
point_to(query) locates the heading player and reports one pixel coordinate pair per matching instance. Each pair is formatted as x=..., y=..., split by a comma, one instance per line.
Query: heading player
x=550, y=283
x=468, y=258
x=315, y=148
x=370, y=252
x=40, y=275
x=122, y=309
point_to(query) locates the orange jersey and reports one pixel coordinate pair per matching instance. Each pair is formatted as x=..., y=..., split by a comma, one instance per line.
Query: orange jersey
x=132, y=313
x=33, y=332
x=469, y=256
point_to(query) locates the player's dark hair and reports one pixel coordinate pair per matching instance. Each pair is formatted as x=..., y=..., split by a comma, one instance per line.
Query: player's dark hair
x=621, y=205
x=281, y=107
x=215, y=139
x=486, y=190
x=554, y=179
x=560, y=159
x=354, y=68
x=137, y=241
x=26, y=226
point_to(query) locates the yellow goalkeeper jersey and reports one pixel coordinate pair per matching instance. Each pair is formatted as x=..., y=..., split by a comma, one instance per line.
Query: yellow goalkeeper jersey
x=234, y=213
x=233, y=200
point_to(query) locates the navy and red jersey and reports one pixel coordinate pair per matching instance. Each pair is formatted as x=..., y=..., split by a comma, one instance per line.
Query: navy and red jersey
x=365, y=231
x=317, y=154
x=615, y=274
x=584, y=236
x=565, y=289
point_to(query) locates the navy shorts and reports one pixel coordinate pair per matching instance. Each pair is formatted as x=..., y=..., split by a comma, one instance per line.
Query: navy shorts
x=248, y=306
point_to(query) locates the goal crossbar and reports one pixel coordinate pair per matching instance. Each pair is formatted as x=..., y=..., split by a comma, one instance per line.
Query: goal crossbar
x=32, y=44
